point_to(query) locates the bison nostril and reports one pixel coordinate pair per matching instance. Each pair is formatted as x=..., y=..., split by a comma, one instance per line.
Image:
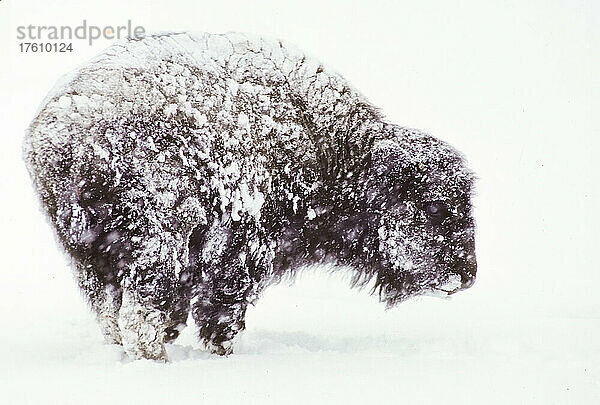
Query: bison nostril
x=467, y=282
x=467, y=276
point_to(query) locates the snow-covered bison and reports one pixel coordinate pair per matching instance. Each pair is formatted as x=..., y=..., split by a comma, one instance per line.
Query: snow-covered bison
x=186, y=172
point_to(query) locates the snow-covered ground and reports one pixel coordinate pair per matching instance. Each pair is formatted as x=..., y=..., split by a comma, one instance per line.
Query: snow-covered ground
x=514, y=86
x=315, y=343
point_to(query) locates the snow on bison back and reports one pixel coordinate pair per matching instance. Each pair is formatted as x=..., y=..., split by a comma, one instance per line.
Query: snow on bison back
x=186, y=172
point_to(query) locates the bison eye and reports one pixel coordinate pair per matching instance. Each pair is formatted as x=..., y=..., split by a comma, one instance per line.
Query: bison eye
x=171, y=333
x=436, y=211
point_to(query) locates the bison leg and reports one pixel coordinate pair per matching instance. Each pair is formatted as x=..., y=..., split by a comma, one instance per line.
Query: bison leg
x=142, y=328
x=220, y=306
x=153, y=307
x=105, y=300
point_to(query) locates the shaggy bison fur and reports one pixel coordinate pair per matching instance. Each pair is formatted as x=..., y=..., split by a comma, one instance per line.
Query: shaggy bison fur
x=186, y=172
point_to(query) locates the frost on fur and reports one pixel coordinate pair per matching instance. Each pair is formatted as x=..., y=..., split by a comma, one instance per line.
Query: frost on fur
x=201, y=168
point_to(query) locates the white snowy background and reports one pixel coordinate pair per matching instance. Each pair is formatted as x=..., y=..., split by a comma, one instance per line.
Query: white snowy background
x=512, y=84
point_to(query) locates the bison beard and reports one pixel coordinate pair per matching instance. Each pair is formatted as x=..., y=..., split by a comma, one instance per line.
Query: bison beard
x=187, y=172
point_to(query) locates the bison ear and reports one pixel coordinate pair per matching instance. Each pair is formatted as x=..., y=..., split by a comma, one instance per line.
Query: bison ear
x=396, y=175
x=390, y=161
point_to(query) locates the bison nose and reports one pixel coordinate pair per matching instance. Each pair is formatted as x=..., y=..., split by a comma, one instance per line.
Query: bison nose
x=467, y=282
x=467, y=275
